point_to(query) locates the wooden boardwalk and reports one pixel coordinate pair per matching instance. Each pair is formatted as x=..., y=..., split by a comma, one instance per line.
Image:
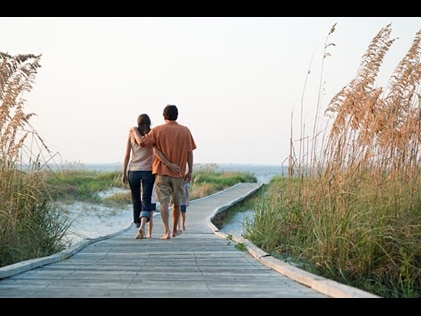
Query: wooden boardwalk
x=200, y=263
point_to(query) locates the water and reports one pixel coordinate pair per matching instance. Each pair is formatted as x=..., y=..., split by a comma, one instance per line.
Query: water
x=92, y=221
x=263, y=173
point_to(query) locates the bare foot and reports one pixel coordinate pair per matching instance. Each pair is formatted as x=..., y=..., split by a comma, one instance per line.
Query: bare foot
x=176, y=233
x=165, y=236
x=140, y=234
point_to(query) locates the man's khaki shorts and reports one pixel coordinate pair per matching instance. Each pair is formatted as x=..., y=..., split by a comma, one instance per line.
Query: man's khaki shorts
x=169, y=189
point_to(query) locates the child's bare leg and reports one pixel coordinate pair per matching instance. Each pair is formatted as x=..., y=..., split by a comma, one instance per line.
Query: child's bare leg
x=183, y=220
x=150, y=225
x=180, y=222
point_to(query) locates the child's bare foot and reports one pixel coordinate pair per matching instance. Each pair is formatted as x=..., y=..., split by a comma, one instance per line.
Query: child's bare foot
x=176, y=233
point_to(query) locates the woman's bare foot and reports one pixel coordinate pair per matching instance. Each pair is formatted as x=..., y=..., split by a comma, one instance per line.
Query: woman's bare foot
x=140, y=234
x=165, y=236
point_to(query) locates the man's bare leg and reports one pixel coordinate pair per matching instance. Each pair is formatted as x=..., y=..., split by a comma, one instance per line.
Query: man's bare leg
x=176, y=210
x=165, y=220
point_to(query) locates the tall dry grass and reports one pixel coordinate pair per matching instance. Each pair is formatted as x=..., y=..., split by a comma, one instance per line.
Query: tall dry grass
x=350, y=209
x=29, y=227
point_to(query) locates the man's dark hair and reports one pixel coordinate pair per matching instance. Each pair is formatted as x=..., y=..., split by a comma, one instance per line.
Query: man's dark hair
x=170, y=112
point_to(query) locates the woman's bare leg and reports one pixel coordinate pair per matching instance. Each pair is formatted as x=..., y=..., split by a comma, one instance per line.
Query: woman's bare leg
x=141, y=232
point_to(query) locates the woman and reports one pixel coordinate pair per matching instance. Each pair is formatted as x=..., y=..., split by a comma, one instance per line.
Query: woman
x=137, y=171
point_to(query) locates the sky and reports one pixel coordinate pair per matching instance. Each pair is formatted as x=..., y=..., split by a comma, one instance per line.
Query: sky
x=246, y=87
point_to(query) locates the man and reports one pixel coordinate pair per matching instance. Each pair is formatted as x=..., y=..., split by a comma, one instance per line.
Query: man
x=176, y=143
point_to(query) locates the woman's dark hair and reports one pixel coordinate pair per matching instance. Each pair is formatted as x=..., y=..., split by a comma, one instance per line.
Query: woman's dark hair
x=143, y=124
x=170, y=112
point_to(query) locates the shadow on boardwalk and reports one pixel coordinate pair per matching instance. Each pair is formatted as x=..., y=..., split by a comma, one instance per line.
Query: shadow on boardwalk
x=200, y=263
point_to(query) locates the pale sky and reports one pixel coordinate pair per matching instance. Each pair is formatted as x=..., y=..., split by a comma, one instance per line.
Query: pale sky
x=237, y=81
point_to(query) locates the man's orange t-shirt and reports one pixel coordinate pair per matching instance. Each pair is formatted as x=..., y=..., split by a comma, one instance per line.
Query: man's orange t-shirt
x=174, y=141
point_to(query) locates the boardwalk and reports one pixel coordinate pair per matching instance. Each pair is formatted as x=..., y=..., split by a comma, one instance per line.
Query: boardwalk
x=200, y=263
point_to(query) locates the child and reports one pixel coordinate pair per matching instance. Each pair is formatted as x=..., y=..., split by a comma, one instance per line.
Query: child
x=184, y=203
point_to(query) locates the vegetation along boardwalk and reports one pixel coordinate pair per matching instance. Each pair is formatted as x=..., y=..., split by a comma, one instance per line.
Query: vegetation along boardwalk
x=199, y=263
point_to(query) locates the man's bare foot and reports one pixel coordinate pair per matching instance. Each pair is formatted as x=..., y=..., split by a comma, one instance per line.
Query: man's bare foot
x=165, y=236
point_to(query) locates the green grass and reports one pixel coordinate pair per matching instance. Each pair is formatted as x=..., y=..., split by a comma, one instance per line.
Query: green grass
x=81, y=185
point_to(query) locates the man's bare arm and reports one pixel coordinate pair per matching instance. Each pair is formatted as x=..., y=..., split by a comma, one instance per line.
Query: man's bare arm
x=173, y=166
x=189, y=165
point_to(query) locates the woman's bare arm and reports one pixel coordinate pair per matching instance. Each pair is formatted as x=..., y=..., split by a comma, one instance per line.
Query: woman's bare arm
x=126, y=160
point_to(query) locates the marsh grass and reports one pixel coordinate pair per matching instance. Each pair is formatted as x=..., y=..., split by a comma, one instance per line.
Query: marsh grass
x=207, y=180
x=72, y=183
x=350, y=209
